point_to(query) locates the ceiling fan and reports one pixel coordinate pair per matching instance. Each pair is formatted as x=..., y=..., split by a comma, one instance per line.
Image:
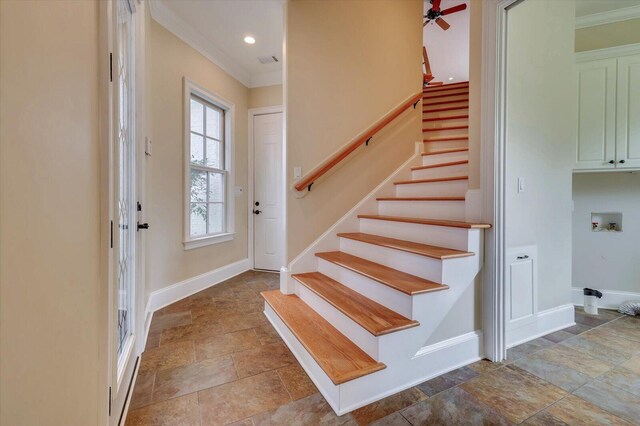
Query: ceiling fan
x=435, y=14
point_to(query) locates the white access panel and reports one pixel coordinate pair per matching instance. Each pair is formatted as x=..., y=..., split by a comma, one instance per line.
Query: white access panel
x=521, y=286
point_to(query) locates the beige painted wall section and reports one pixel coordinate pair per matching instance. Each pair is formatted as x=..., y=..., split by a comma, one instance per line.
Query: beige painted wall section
x=475, y=91
x=265, y=96
x=608, y=35
x=348, y=64
x=172, y=59
x=49, y=211
x=540, y=135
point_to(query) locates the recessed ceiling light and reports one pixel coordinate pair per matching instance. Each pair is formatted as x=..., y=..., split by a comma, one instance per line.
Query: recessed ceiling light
x=249, y=40
x=450, y=78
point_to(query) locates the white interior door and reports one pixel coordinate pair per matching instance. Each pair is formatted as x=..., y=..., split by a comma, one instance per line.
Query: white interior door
x=267, y=200
x=123, y=299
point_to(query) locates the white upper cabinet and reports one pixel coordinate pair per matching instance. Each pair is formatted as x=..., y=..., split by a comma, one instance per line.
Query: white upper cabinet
x=608, y=133
x=628, y=113
x=596, y=148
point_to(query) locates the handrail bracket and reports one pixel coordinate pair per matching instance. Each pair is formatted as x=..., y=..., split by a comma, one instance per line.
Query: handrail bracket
x=416, y=103
x=309, y=187
x=366, y=143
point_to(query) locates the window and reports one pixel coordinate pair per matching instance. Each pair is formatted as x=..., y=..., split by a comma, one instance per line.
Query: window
x=209, y=212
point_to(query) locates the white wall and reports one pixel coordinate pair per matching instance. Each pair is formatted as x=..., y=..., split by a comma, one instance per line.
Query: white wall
x=541, y=139
x=449, y=50
x=606, y=260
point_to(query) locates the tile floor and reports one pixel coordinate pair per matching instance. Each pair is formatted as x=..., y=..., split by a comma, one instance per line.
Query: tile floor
x=213, y=359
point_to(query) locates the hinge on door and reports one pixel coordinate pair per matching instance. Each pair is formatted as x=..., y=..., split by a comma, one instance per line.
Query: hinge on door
x=109, y=401
x=110, y=66
x=139, y=206
x=111, y=232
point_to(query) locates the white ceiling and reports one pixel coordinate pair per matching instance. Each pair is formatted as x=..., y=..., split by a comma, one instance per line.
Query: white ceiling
x=449, y=50
x=589, y=7
x=217, y=28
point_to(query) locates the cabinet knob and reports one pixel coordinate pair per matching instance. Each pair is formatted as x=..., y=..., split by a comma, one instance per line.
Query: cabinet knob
x=621, y=161
x=612, y=162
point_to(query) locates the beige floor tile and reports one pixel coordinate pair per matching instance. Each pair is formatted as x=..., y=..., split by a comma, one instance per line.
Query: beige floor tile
x=226, y=344
x=142, y=390
x=514, y=394
x=262, y=358
x=241, y=399
x=170, y=355
x=298, y=384
x=576, y=411
x=182, y=411
x=193, y=377
x=388, y=405
x=633, y=364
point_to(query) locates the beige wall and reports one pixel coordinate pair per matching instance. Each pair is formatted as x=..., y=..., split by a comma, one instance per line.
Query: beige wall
x=540, y=135
x=475, y=91
x=608, y=35
x=172, y=60
x=348, y=63
x=265, y=96
x=49, y=211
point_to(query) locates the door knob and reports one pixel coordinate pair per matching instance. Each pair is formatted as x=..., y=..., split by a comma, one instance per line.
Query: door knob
x=257, y=203
x=256, y=212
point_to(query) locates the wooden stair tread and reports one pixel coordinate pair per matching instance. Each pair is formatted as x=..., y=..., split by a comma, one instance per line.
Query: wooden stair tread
x=428, y=96
x=421, y=221
x=434, y=252
x=441, y=179
x=372, y=316
x=427, y=111
x=435, y=166
x=437, y=129
x=338, y=356
x=424, y=104
x=444, y=151
x=450, y=117
x=420, y=199
x=398, y=280
x=448, y=138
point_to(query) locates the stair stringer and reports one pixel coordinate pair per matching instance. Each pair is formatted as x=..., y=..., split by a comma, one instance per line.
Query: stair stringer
x=329, y=241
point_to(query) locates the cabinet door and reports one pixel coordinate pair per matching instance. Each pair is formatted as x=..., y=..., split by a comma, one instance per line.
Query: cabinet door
x=596, y=114
x=628, y=113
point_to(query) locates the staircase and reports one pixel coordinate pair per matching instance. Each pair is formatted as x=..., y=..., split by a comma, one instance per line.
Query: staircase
x=385, y=300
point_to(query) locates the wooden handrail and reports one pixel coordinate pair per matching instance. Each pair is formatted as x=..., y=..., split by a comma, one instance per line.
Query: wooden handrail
x=364, y=138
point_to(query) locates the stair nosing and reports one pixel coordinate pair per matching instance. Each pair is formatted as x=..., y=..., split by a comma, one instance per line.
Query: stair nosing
x=435, y=166
x=443, y=179
x=426, y=111
x=444, y=102
x=457, y=255
x=411, y=323
x=336, y=380
x=456, y=199
x=452, y=117
x=444, y=151
x=439, y=129
x=323, y=255
x=426, y=95
x=428, y=222
x=443, y=87
x=447, y=139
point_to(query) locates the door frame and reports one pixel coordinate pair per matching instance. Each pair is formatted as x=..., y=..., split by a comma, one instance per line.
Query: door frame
x=493, y=174
x=106, y=31
x=250, y=186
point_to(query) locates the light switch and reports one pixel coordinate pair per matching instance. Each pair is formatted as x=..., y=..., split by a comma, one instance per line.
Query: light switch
x=520, y=184
x=297, y=172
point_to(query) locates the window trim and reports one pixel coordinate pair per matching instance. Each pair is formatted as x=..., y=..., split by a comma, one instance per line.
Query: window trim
x=192, y=88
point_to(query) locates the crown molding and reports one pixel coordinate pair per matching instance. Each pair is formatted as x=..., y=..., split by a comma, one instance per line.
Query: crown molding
x=609, y=52
x=185, y=32
x=609, y=17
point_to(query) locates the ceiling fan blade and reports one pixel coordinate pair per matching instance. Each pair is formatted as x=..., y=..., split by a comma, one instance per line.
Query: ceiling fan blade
x=442, y=24
x=435, y=5
x=426, y=22
x=454, y=9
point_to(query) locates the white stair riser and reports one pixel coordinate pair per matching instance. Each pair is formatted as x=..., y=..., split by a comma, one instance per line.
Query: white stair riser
x=449, y=188
x=431, y=146
x=383, y=294
x=438, y=172
x=450, y=97
x=429, y=94
x=448, y=210
x=429, y=160
x=454, y=238
x=431, y=114
x=421, y=266
x=345, y=325
x=445, y=123
x=444, y=133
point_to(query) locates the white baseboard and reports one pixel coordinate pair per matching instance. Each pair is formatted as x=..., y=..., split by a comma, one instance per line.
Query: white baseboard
x=546, y=322
x=611, y=299
x=171, y=294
